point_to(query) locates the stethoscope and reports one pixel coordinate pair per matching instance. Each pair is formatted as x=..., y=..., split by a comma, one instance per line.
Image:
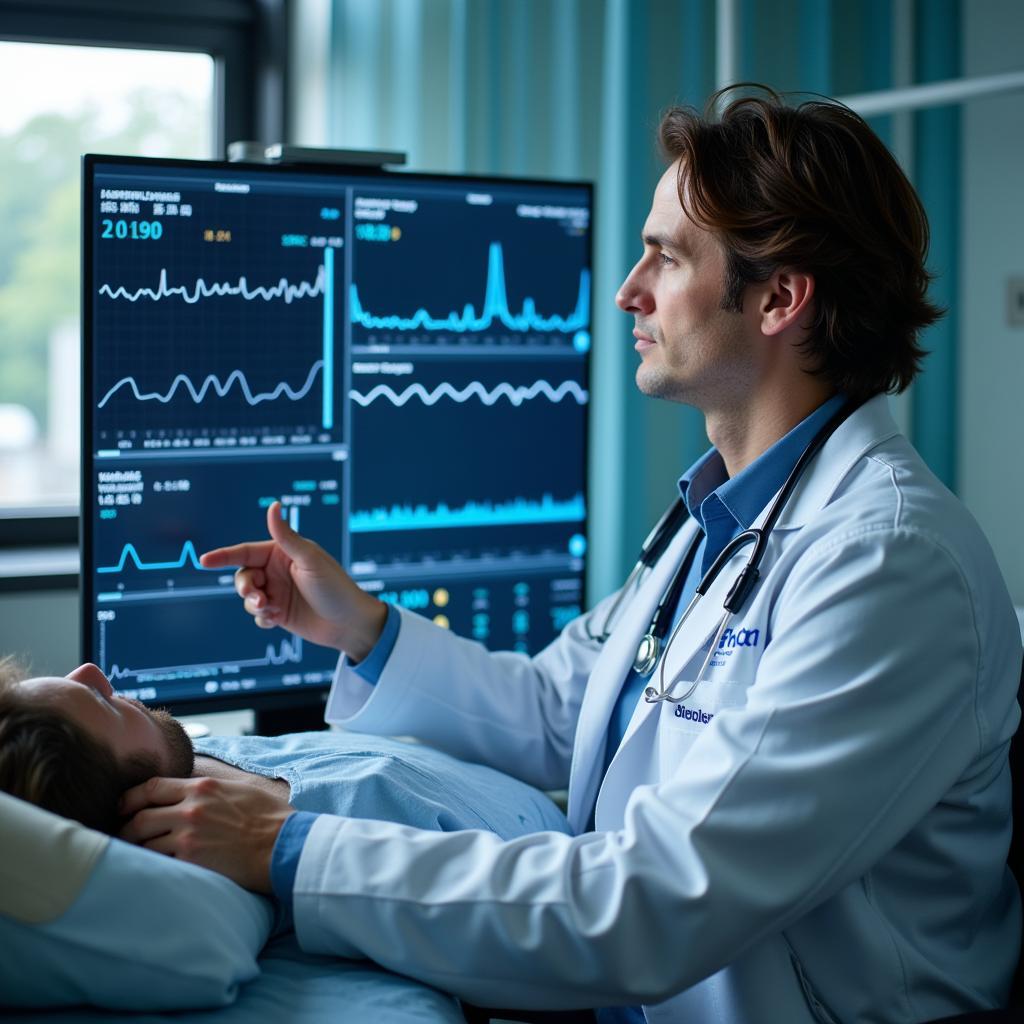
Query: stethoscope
x=652, y=651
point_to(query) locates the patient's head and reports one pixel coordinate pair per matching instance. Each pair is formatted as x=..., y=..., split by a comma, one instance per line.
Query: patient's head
x=73, y=746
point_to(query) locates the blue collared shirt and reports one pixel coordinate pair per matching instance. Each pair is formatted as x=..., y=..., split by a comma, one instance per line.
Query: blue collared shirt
x=373, y=664
x=722, y=507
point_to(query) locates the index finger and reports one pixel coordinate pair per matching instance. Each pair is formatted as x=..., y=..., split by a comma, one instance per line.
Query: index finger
x=252, y=553
x=154, y=792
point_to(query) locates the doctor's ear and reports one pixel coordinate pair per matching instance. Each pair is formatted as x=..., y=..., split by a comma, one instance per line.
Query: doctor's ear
x=786, y=300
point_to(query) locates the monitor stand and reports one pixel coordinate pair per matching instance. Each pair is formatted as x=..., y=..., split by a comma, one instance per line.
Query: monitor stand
x=278, y=721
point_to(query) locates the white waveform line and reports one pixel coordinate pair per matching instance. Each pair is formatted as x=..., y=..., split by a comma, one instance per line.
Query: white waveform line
x=284, y=289
x=516, y=395
x=289, y=651
x=221, y=388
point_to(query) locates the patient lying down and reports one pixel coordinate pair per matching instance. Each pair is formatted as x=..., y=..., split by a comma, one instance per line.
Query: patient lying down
x=72, y=745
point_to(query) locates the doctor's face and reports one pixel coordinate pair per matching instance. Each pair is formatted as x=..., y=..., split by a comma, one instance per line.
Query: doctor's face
x=124, y=726
x=691, y=349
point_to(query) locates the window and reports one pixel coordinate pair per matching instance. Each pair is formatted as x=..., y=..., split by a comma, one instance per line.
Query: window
x=150, y=103
x=230, y=83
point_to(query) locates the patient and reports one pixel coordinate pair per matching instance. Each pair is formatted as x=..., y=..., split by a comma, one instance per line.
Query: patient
x=73, y=745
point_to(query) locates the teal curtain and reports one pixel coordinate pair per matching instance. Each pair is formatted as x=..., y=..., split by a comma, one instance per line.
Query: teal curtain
x=574, y=89
x=556, y=88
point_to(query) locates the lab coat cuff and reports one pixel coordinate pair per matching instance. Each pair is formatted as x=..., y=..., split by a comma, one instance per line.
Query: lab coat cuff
x=315, y=929
x=373, y=664
x=284, y=860
x=353, y=703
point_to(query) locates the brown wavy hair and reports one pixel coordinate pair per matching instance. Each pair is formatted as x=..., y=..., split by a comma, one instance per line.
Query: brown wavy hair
x=812, y=188
x=51, y=761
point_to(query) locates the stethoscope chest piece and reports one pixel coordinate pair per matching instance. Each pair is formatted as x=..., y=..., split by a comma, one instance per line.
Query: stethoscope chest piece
x=646, y=655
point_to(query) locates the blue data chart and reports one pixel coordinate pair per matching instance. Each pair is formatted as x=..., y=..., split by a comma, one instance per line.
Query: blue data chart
x=207, y=647
x=402, y=360
x=485, y=289
x=477, y=444
x=223, y=327
x=155, y=518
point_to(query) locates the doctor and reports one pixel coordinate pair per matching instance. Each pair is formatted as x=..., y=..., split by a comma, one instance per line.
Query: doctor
x=814, y=827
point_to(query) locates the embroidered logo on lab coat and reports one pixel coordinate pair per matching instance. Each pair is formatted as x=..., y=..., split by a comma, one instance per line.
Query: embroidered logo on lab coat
x=693, y=714
x=733, y=640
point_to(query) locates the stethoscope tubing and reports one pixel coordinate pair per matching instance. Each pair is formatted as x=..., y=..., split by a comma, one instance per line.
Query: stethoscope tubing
x=748, y=576
x=658, y=541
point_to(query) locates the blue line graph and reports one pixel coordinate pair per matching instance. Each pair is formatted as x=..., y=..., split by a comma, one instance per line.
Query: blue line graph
x=289, y=651
x=284, y=289
x=475, y=389
x=188, y=554
x=511, y=513
x=495, y=308
x=220, y=387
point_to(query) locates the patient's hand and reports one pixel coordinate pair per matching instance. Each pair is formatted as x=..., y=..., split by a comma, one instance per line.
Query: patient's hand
x=228, y=826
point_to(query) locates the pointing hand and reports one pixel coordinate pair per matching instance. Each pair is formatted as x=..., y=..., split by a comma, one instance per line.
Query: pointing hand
x=290, y=581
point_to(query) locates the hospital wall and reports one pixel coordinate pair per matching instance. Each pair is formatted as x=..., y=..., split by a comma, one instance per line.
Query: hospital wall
x=574, y=90
x=991, y=351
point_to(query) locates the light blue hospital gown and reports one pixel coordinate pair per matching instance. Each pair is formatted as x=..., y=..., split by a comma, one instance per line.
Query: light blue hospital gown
x=362, y=776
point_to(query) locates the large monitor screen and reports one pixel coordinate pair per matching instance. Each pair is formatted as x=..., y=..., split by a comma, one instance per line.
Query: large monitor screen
x=401, y=360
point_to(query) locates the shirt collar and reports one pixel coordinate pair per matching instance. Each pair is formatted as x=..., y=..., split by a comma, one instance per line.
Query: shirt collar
x=745, y=495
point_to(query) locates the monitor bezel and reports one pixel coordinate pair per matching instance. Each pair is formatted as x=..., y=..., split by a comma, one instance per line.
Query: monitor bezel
x=311, y=698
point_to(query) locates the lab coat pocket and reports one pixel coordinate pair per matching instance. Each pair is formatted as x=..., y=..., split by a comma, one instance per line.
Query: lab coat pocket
x=698, y=709
x=682, y=724
x=818, y=1009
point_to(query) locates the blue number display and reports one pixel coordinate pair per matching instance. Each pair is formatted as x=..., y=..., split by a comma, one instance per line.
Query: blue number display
x=141, y=230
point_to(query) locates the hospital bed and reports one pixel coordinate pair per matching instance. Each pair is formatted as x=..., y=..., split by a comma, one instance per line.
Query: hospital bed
x=92, y=928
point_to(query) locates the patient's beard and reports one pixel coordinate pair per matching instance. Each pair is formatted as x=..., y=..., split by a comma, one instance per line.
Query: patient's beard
x=179, y=746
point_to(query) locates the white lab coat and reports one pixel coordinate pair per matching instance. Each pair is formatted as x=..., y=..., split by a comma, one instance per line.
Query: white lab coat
x=821, y=838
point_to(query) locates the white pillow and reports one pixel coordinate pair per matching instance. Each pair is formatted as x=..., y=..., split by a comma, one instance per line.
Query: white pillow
x=142, y=931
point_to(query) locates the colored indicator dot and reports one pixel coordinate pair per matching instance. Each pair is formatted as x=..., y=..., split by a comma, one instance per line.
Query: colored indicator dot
x=581, y=341
x=521, y=589
x=577, y=545
x=521, y=622
x=396, y=234
x=442, y=621
x=441, y=597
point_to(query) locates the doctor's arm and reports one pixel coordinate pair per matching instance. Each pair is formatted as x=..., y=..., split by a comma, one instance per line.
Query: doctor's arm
x=403, y=675
x=843, y=746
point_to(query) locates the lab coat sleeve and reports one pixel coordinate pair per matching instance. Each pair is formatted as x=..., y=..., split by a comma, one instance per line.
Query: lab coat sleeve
x=863, y=712
x=506, y=710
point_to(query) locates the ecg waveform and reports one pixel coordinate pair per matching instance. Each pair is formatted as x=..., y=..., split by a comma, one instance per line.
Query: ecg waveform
x=188, y=554
x=290, y=651
x=475, y=389
x=511, y=513
x=495, y=308
x=284, y=289
x=220, y=387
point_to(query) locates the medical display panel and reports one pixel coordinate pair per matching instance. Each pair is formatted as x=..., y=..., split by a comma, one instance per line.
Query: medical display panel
x=401, y=360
